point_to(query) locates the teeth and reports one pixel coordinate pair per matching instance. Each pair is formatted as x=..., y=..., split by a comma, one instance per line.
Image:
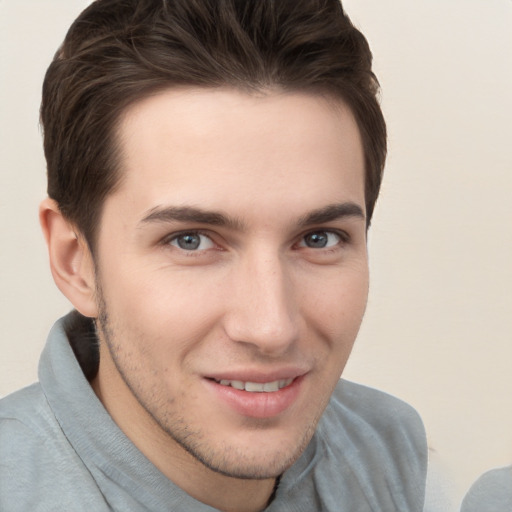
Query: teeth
x=269, y=387
x=237, y=384
x=257, y=387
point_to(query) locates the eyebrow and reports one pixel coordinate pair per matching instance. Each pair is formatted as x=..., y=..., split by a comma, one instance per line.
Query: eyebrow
x=197, y=215
x=332, y=212
x=191, y=214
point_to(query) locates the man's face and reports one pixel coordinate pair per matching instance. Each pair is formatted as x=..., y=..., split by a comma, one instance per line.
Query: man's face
x=232, y=272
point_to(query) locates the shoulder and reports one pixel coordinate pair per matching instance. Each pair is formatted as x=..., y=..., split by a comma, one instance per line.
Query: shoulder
x=367, y=407
x=26, y=422
x=491, y=492
x=363, y=429
x=37, y=464
x=27, y=406
x=385, y=429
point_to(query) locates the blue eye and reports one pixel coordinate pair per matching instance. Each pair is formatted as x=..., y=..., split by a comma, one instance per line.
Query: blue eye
x=320, y=240
x=192, y=242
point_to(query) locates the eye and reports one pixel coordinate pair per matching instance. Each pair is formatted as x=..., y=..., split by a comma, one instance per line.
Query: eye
x=192, y=241
x=320, y=240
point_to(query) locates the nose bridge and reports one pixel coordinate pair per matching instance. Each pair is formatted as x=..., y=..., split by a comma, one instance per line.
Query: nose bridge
x=264, y=308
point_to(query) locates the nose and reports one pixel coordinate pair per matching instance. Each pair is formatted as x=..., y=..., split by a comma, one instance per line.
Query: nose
x=263, y=308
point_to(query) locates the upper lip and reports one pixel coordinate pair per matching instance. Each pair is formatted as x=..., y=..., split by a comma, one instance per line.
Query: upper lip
x=258, y=375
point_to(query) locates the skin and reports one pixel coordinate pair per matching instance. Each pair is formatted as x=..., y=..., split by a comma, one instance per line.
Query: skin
x=259, y=296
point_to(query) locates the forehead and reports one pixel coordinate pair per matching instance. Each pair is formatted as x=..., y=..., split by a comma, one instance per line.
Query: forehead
x=213, y=147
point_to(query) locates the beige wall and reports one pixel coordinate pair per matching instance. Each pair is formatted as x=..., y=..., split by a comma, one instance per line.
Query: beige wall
x=438, y=327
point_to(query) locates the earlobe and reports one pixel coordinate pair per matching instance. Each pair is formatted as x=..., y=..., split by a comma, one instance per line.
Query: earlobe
x=71, y=262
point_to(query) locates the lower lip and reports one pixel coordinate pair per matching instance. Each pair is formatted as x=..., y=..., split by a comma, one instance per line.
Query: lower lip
x=257, y=405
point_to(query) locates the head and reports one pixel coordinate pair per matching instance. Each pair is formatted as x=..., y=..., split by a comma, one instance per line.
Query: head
x=214, y=166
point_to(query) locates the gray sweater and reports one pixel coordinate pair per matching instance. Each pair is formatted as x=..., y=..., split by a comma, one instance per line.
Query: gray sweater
x=61, y=451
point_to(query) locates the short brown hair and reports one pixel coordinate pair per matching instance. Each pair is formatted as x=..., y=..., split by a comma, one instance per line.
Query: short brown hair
x=120, y=51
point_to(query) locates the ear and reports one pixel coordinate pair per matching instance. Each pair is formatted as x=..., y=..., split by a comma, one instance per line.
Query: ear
x=71, y=262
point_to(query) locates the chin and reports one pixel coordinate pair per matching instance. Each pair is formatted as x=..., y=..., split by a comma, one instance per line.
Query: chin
x=258, y=468
x=260, y=457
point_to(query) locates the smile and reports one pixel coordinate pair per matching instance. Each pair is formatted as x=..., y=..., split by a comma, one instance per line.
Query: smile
x=256, y=387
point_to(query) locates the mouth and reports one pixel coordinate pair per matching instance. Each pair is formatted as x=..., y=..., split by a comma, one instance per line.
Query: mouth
x=252, y=399
x=256, y=387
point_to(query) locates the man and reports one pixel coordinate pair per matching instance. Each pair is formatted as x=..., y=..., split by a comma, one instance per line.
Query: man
x=213, y=167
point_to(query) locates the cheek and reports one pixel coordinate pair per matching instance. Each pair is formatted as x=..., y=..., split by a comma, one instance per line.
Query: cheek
x=161, y=310
x=338, y=302
x=137, y=291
